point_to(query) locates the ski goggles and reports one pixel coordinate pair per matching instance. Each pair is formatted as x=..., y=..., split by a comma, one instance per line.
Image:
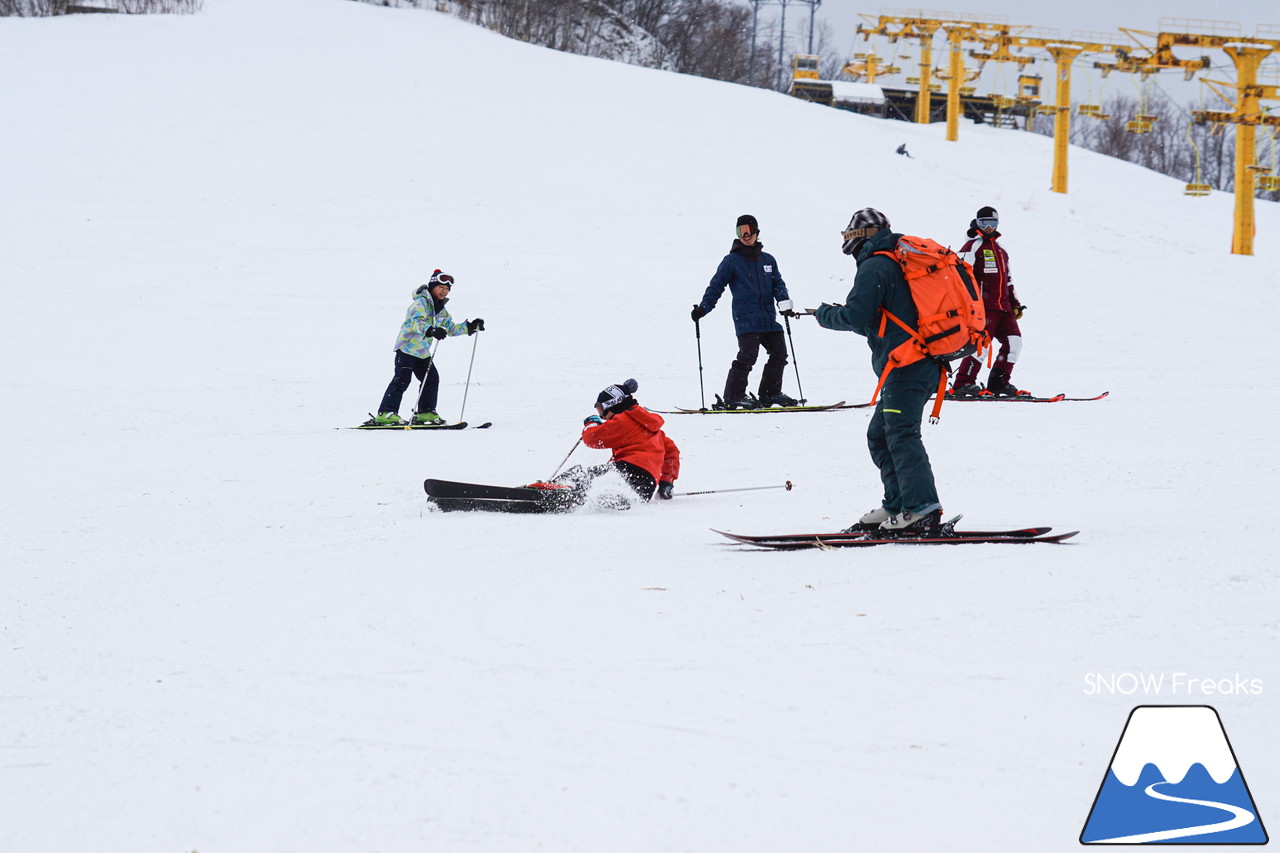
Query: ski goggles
x=745, y=231
x=858, y=233
x=988, y=222
x=442, y=278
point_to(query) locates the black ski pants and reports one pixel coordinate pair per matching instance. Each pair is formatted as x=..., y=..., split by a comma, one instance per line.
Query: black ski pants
x=640, y=480
x=408, y=367
x=774, y=343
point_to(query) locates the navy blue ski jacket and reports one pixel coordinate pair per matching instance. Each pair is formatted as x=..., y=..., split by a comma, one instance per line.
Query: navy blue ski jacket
x=755, y=284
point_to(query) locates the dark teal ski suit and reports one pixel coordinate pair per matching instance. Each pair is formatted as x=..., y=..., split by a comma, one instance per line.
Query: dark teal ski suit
x=894, y=433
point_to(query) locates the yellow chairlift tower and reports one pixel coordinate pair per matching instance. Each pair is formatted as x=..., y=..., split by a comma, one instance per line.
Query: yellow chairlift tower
x=1247, y=53
x=920, y=28
x=922, y=25
x=959, y=32
x=1247, y=116
x=1064, y=53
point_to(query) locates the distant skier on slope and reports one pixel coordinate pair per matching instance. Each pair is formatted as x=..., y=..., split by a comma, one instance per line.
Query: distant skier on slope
x=910, y=504
x=752, y=277
x=643, y=454
x=425, y=320
x=990, y=264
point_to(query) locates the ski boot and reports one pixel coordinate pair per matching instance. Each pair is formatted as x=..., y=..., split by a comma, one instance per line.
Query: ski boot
x=870, y=521
x=780, y=399
x=726, y=405
x=421, y=418
x=965, y=389
x=1000, y=386
x=385, y=419
x=910, y=525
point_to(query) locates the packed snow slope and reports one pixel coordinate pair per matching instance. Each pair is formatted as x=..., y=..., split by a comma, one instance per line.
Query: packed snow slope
x=231, y=626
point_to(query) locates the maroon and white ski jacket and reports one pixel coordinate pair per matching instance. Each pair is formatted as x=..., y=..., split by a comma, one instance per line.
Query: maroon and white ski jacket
x=990, y=264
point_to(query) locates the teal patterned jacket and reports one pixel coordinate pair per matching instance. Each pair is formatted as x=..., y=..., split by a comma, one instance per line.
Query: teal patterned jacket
x=424, y=313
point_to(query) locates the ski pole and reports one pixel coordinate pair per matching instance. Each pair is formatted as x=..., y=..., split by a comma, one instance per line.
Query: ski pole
x=794, y=363
x=566, y=458
x=467, y=387
x=422, y=384
x=702, y=391
x=786, y=486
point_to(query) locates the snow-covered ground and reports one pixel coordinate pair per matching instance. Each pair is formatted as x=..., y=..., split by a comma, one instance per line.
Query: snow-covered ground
x=230, y=626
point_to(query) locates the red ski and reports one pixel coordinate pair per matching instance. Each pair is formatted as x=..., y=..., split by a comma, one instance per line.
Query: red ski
x=797, y=541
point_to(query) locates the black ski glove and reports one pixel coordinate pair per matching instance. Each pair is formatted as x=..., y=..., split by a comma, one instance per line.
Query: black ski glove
x=438, y=333
x=697, y=313
x=476, y=325
x=664, y=490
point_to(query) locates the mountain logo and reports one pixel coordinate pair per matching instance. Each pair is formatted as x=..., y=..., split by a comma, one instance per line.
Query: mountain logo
x=1173, y=779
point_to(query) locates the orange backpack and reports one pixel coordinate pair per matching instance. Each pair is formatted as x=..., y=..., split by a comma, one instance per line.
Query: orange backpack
x=953, y=320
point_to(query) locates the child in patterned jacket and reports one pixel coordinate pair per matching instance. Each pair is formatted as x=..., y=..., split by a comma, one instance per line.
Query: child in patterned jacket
x=426, y=322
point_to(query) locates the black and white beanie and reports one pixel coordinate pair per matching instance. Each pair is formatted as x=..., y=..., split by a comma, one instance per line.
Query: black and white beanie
x=864, y=224
x=617, y=398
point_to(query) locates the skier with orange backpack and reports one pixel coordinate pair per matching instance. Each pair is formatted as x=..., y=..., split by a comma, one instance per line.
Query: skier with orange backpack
x=909, y=349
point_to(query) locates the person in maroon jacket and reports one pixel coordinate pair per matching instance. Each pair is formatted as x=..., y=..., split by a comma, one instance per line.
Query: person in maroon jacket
x=990, y=264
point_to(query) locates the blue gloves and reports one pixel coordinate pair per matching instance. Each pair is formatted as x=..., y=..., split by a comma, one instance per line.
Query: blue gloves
x=664, y=490
x=594, y=419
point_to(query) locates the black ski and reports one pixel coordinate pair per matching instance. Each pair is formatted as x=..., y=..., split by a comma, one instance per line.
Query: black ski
x=452, y=496
x=948, y=528
x=770, y=410
x=1024, y=398
x=796, y=541
x=419, y=427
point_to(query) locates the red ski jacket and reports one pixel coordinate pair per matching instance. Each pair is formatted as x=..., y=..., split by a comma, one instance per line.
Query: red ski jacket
x=636, y=436
x=990, y=264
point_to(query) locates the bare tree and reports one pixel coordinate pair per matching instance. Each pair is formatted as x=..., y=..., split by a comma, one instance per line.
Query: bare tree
x=45, y=8
x=709, y=38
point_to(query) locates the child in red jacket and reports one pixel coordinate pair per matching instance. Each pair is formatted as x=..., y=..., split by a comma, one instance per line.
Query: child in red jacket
x=643, y=454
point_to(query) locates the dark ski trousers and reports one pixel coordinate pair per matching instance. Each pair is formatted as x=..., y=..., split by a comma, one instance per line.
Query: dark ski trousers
x=408, y=367
x=897, y=448
x=640, y=480
x=774, y=343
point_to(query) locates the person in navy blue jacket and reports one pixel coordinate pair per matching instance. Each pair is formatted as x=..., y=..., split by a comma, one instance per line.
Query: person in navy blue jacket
x=755, y=284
